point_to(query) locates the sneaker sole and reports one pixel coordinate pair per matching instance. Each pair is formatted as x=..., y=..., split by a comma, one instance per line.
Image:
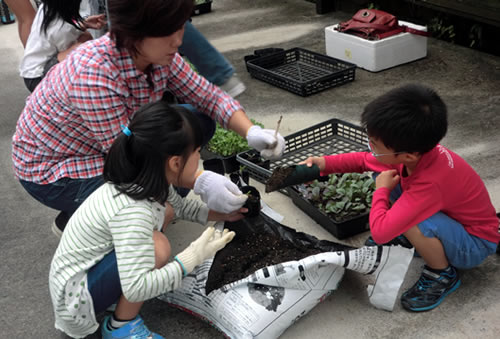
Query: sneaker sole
x=428, y=308
x=57, y=232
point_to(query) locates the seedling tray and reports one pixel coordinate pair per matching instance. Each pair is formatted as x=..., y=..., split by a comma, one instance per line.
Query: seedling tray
x=202, y=7
x=333, y=136
x=301, y=71
x=340, y=230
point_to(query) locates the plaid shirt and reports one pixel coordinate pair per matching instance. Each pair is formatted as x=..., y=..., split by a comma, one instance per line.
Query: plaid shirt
x=73, y=116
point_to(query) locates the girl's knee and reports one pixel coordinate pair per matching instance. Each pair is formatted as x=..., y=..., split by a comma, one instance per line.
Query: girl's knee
x=162, y=249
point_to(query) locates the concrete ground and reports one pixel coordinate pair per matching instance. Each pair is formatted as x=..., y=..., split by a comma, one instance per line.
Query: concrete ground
x=468, y=81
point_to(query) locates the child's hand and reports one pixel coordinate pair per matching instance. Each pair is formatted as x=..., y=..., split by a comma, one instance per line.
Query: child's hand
x=387, y=179
x=233, y=216
x=203, y=248
x=95, y=21
x=318, y=161
x=218, y=192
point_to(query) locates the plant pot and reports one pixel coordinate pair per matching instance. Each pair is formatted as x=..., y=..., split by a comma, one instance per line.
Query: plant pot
x=214, y=165
x=230, y=163
x=253, y=201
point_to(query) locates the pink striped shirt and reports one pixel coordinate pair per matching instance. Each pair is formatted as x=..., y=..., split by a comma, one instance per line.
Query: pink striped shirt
x=73, y=116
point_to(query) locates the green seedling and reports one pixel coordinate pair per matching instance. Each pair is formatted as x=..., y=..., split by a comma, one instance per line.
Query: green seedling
x=228, y=143
x=343, y=196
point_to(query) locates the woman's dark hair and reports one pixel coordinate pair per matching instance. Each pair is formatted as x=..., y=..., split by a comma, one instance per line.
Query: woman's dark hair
x=67, y=10
x=131, y=21
x=410, y=118
x=136, y=163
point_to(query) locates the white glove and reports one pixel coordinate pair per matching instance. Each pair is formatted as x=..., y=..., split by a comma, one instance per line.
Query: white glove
x=219, y=193
x=203, y=248
x=263, y=140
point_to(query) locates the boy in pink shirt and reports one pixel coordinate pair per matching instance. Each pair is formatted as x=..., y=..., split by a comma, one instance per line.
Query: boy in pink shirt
x=424, y=191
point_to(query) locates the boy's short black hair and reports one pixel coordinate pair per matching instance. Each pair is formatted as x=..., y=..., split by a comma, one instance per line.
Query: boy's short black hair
x=410, y=118
x=133, y=20
x=135, y=164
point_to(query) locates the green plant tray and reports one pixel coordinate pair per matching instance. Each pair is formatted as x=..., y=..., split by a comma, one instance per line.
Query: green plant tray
x=340, y=230
x=333, y=136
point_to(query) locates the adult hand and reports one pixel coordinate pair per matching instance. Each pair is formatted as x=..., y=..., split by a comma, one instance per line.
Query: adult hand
x=318, y=161
x=264, y=141
x=388, y=179
x=218, y=192
x=203, y=248
x=233, y=216
x=95, y=21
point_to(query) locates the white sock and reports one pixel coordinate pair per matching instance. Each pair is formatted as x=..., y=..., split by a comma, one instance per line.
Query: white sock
x=115, y=323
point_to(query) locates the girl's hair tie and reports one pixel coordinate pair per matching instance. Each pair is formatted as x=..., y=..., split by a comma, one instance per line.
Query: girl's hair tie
x=126, y=131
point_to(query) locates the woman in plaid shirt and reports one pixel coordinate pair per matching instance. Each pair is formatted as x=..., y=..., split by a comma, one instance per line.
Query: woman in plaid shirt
x=73, y=116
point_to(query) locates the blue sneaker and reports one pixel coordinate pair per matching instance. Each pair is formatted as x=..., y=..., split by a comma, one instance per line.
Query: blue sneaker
x=135, y=329
x=429, y=291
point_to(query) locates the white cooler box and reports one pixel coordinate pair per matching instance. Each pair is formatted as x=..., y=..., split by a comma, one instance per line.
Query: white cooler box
x=376, y=55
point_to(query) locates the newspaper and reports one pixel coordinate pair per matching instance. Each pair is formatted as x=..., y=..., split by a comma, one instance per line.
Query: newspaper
x=267, y=302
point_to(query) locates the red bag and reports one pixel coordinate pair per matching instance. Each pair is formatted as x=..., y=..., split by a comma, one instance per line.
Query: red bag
x=373, y=24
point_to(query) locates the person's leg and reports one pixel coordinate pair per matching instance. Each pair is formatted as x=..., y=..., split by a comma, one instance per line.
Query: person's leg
x=205, y=57
x=64, y=195
x=444, y=244
x=104, y=286
x=461, y=249
x=25, y=14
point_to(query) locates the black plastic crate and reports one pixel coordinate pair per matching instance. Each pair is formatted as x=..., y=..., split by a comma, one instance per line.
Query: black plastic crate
x=340, y=230
x=333, y=136
x=301, y=71
x=202, y=7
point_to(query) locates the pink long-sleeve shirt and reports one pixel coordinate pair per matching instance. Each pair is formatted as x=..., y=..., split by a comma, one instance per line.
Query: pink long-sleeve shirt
x=442, y=181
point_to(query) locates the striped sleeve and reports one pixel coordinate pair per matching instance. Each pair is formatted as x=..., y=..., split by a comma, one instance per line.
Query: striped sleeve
x=187, y=209
x=132, y=231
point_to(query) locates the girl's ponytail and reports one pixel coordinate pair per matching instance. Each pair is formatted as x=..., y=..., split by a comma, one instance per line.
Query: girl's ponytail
x=136, y=161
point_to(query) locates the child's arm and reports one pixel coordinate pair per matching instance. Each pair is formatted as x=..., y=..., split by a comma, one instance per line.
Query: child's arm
x=132, y=232
x=347, y=163
x=188, y=209
x=415, y=205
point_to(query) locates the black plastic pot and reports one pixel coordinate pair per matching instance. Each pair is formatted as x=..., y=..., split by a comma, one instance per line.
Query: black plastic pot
x=214, y=165
x=230, y=163
x=253, y=201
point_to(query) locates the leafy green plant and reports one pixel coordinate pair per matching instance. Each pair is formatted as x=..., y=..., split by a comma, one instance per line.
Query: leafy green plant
x=441, y=30
x=343, y=196
x=226, y=142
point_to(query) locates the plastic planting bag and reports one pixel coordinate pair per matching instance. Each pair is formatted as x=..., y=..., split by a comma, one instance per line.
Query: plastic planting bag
x=266, y=301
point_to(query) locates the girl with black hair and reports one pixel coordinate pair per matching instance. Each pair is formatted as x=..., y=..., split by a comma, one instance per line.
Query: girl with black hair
x=58, y=28
x=113, y=250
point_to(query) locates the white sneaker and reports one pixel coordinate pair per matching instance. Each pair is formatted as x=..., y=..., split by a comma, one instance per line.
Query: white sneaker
x=233, y=86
